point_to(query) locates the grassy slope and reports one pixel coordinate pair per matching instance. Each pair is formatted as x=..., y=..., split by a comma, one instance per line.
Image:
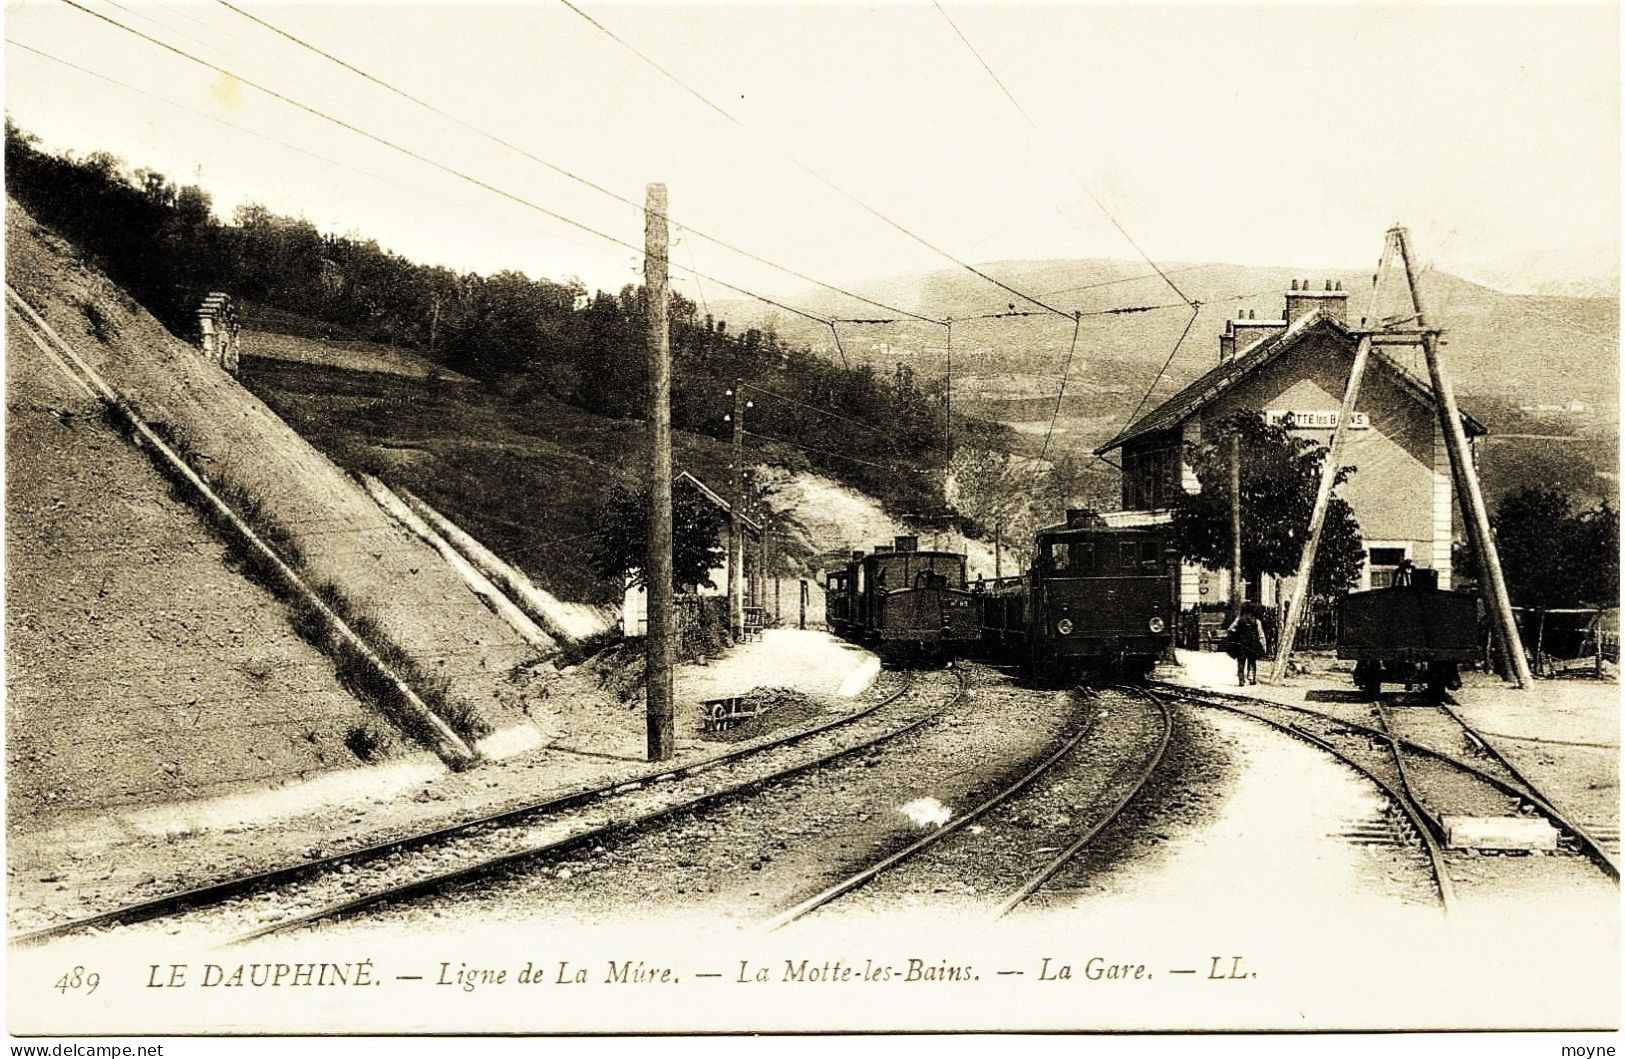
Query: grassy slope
x=1492, y=334
x=526, y=477
x=384, y=574
x=141, y=666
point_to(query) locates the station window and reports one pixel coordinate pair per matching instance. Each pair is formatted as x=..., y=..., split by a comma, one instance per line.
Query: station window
x=1150, y=478
x=1383, y=563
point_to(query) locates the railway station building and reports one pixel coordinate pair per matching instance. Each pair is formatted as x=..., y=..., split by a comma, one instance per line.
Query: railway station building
x=1294, y=370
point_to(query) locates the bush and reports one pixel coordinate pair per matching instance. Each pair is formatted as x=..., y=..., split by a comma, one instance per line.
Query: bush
x=368, y=742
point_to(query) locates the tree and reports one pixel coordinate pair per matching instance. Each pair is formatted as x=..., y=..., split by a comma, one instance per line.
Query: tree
x=1280, y=474
x=1552, y=556
x=986, y=488
x=622, y=541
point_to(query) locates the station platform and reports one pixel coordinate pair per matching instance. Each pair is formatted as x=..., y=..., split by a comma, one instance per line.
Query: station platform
x=814, y=663
x=1562, y=733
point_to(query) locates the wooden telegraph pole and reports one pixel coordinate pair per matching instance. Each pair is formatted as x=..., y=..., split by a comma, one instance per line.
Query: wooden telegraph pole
x=659, y=719
x=1461, y=469
x=1466, y=478
x=736, y=528
x=1317, y=515
x=1235, y=526
x=1328, y=474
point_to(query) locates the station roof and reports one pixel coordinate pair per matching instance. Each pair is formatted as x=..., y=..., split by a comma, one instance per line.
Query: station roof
x=1199, y=394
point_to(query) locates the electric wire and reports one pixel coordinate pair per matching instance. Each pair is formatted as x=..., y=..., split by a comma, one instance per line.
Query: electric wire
x=1039, y=132
x=810, y=171
x=839, y=455
x=1165, y=366
x=423, y=158
x=1060, y=392
x=554, y=167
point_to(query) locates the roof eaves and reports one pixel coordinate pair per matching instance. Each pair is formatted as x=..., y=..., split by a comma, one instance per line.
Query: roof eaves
x=1182, y=405
x=715, y=498
x=1201, y=392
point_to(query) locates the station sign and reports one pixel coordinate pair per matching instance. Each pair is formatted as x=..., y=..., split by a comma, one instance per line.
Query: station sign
x=1299, y=419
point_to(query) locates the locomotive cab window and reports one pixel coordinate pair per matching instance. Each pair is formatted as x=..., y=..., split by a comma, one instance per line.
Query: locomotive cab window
x=1150, y=556
x=1060, y=557
x=1128, y=555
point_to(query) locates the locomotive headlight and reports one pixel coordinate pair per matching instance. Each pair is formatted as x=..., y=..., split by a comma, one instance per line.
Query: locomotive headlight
x=1064, y=626
x=1156, y=625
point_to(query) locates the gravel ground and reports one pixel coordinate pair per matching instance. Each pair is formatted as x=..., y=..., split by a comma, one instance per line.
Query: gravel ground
x=1243, y=823
x=974, y=869
x=745, y=860
x=80, y=869
x=1562, y=734
x=349, y=880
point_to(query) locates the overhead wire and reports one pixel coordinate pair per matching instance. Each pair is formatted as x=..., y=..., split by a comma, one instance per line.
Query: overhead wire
x=1165, y=366
x=554, y=167
x=1040, y=133
x=822, y=410
x=810, y=171
x=1060, y=392
x=247, y=131
x=838, y=455
x=425, y=159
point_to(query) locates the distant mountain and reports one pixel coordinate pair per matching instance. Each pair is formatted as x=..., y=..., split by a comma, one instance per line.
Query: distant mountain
x=1546, y=348
x=1573, y=272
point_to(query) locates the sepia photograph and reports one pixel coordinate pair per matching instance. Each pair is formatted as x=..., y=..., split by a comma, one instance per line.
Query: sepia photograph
x=608, y=519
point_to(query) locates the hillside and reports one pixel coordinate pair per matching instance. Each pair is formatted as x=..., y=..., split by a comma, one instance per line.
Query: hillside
x=1494, y=338
x=140, y=666
x=411, y=602
x=526, y=476
x=1504, y=350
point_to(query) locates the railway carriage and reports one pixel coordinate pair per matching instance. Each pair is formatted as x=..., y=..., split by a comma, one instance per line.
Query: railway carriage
x=1412, y=634
x=838, y=601
x=1095, y=599
x=908, y=602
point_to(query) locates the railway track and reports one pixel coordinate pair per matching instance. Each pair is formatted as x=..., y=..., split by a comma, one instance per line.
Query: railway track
x=509, y=848
x=1001, y=814
x=378, y=868
x=1420, y=777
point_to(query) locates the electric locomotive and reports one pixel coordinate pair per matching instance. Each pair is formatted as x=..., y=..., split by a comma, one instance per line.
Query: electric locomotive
x=1095, y=599
x=908, y=602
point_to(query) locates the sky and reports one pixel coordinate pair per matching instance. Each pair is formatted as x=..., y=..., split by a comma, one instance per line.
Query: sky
x=1271, y=134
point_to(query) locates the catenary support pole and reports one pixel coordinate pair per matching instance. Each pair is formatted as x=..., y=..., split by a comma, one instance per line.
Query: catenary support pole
x=1472, y=498
x=1317, y=515
x=659, y=718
